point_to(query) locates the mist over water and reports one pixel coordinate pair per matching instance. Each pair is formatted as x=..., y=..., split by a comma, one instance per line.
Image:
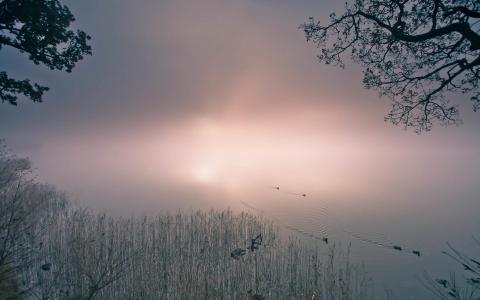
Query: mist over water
x=349, y=189
x=201, y=105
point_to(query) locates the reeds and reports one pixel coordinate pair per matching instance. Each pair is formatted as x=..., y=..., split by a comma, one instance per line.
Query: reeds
x=182, y=256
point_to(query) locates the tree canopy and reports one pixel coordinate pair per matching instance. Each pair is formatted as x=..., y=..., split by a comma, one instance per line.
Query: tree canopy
x=413, y=51
x=42, y=30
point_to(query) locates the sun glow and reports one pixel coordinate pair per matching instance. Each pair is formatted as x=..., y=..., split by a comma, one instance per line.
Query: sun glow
x=230, y=153
x=238, y=154
x=204, y=173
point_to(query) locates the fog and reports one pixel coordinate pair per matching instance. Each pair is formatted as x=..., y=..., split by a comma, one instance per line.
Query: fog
x=198, y=105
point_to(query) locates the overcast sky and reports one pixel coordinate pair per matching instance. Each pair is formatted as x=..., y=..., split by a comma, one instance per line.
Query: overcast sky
x=202, y=103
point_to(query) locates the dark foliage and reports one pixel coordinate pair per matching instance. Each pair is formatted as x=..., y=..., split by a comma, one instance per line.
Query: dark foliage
x=41, y=29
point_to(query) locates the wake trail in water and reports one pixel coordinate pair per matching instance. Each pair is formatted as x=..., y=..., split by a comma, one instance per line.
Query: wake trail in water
x=323, y=228
x=286, y=225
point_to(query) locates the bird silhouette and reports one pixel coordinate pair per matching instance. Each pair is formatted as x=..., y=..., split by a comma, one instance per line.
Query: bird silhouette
x=46, y=267
x=398, y=248
x=257, y=241
x=237, y=253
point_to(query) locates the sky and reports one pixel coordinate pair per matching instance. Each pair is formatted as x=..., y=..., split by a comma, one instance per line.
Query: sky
x=201, y=104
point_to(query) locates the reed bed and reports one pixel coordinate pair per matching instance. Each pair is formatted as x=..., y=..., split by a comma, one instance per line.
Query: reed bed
x=87, y=255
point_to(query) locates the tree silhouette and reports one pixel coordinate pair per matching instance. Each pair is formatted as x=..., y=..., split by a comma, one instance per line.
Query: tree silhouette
x=412, y=51
x=18, y=205
x=41, y=29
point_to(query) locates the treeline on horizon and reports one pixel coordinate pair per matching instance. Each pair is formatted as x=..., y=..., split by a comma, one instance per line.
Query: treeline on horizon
x=51, y=249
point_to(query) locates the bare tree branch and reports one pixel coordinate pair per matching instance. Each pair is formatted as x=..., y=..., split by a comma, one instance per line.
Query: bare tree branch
x=414, y=52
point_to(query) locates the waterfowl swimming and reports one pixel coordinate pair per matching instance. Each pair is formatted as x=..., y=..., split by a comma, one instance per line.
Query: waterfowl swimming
x=257, y=241
x=398, y=248
x=237, y=253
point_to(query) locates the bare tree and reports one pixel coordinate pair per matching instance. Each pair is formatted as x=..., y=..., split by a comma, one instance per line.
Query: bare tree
x=12, y=215
x=18, y=207
x=413, y=51
x=24, y=205
x=96, y=252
